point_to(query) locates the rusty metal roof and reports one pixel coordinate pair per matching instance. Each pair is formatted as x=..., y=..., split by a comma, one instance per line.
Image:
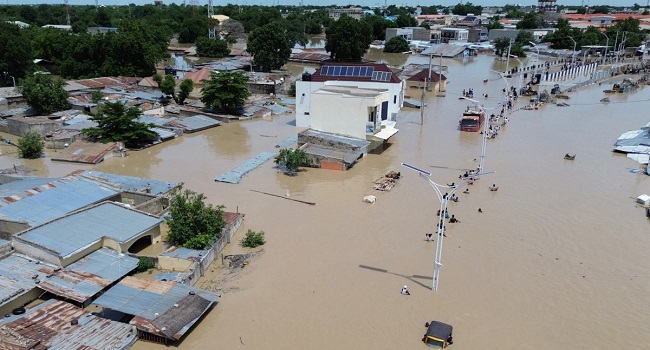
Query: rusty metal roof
x=166, y=309
x=19, y=275
x=89, y=275
x=63, y=326
x=85, y=152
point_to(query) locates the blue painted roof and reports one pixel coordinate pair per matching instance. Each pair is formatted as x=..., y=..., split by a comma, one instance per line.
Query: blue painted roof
x=130, y=183
x=3, y=242
x=56, y=198
x=70, y=234
x=184, y=253
x=89, y=275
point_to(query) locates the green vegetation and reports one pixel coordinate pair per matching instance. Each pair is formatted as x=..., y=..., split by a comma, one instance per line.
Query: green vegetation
x=44, y=93
x=291, y=160
x=348, y=39
x=116, y=123
x=144, y=264
x=31, y=146
x=561, y=38
x=215, y=48
x=464, y=9
x=378, y=25
x=252, y=239
x=15, y=52
x=192, y=223
x=270, y=47
x=167, y=86
x=396, y=44
x=495, y=23
x=225, y=90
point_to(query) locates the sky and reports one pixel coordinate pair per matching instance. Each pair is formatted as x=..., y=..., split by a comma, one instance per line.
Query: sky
x=337, y=2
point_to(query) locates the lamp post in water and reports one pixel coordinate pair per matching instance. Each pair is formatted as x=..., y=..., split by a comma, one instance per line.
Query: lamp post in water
x=606, y=47
x=486, y=122
x=521, y=74
x=444, y=200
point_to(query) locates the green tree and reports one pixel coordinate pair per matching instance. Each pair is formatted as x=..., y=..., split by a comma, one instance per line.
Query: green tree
x=495, y=23
x=378, y=24
x=192, y=28
x=464, y=9
x=167, y=84
x=501, y=46
x=531, y=20
x=406, y=20
x=291, y=160
x=215, y=48
x=396, y=44
x=524, y=37
x=226, y=90
x=96, y=95
x=119, y=123
x=348, y=39
x=253, y=239
x=15, y=50
x=599, y=9
x=192, y=223
x=185, y=89
x=269, y=46
x=44, y=93
x=31, y=145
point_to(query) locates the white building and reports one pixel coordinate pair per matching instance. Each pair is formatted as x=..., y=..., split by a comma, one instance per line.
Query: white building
x=363, y=76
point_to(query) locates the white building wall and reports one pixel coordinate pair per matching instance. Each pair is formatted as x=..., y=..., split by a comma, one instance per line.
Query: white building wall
x=304, y=90
x=343, y=114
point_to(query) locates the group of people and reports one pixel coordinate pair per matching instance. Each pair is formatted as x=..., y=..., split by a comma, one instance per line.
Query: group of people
x=468, y=93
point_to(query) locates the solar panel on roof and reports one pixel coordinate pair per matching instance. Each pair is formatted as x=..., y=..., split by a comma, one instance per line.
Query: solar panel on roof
x=370, y=71
x=337, y=71
x=355, y=71
x=344, y=71
x=325, y=70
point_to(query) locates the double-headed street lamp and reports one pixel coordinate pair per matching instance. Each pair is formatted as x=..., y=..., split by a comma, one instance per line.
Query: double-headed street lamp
x=444, y=200
x=537, y=58
x=521, y=74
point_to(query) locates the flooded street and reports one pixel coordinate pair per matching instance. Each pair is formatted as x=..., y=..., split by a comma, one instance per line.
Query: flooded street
x=556, y=259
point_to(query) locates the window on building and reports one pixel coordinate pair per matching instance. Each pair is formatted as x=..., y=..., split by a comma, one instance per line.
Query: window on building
x=394, y=99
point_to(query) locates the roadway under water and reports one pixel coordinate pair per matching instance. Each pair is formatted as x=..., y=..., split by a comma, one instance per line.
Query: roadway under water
x=557, y=258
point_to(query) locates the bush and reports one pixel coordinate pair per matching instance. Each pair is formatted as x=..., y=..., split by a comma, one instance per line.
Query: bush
x=291, y=159
x=31, y=146
x=253, y=239
x=396, y=44
x=144, y=264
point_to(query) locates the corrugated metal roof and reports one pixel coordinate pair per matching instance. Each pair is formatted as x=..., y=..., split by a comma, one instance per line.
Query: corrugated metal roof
x=18, y=275
x=348, y=157
x=235, y=175
x=164, y=133
x=130, y=183
x=184, y=253
x=198, y=122
x=289, y=141
x=446, y=50
x=89, y=275
x=58, y=198
x=3, y=242
x=151, y=300
x=50, y=324
x=71, y=233
x=22, y=187
x=336, y=138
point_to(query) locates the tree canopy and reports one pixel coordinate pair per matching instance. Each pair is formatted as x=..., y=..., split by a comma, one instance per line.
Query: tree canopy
x=291, y=160
x=225, y=90
x=192, y=223
x=15, y=51
x=31, y=145
x=215, y=48
x=396, y=44
x=167, y=86
x=269, y=46
x=117, y=123
x=348, y=39
x=45, y=93
x=379, y=25
x=467, y=8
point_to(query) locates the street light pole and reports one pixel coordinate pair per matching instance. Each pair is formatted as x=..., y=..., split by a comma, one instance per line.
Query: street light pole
x=606, y=47
x=537, y=58
x=486, y=122
x=444, y=200
x=573, y=53
x=521, y=75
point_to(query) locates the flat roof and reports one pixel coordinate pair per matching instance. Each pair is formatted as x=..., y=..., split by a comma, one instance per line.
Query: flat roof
x=350, y=90
x=89, y=275
x=72, y=233
x=50, y=325
x=166, y=309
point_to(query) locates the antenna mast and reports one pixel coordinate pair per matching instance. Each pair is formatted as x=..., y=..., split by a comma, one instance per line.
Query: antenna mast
x=212, y=32
x=67, y=13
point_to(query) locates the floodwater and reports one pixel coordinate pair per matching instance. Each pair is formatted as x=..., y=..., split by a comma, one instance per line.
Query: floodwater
x=557, y=258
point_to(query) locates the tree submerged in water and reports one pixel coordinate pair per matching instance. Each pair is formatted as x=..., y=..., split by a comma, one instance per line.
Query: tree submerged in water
x=291, y=160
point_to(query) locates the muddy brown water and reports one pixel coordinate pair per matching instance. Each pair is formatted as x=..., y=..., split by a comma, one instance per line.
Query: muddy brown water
x=557, y=259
